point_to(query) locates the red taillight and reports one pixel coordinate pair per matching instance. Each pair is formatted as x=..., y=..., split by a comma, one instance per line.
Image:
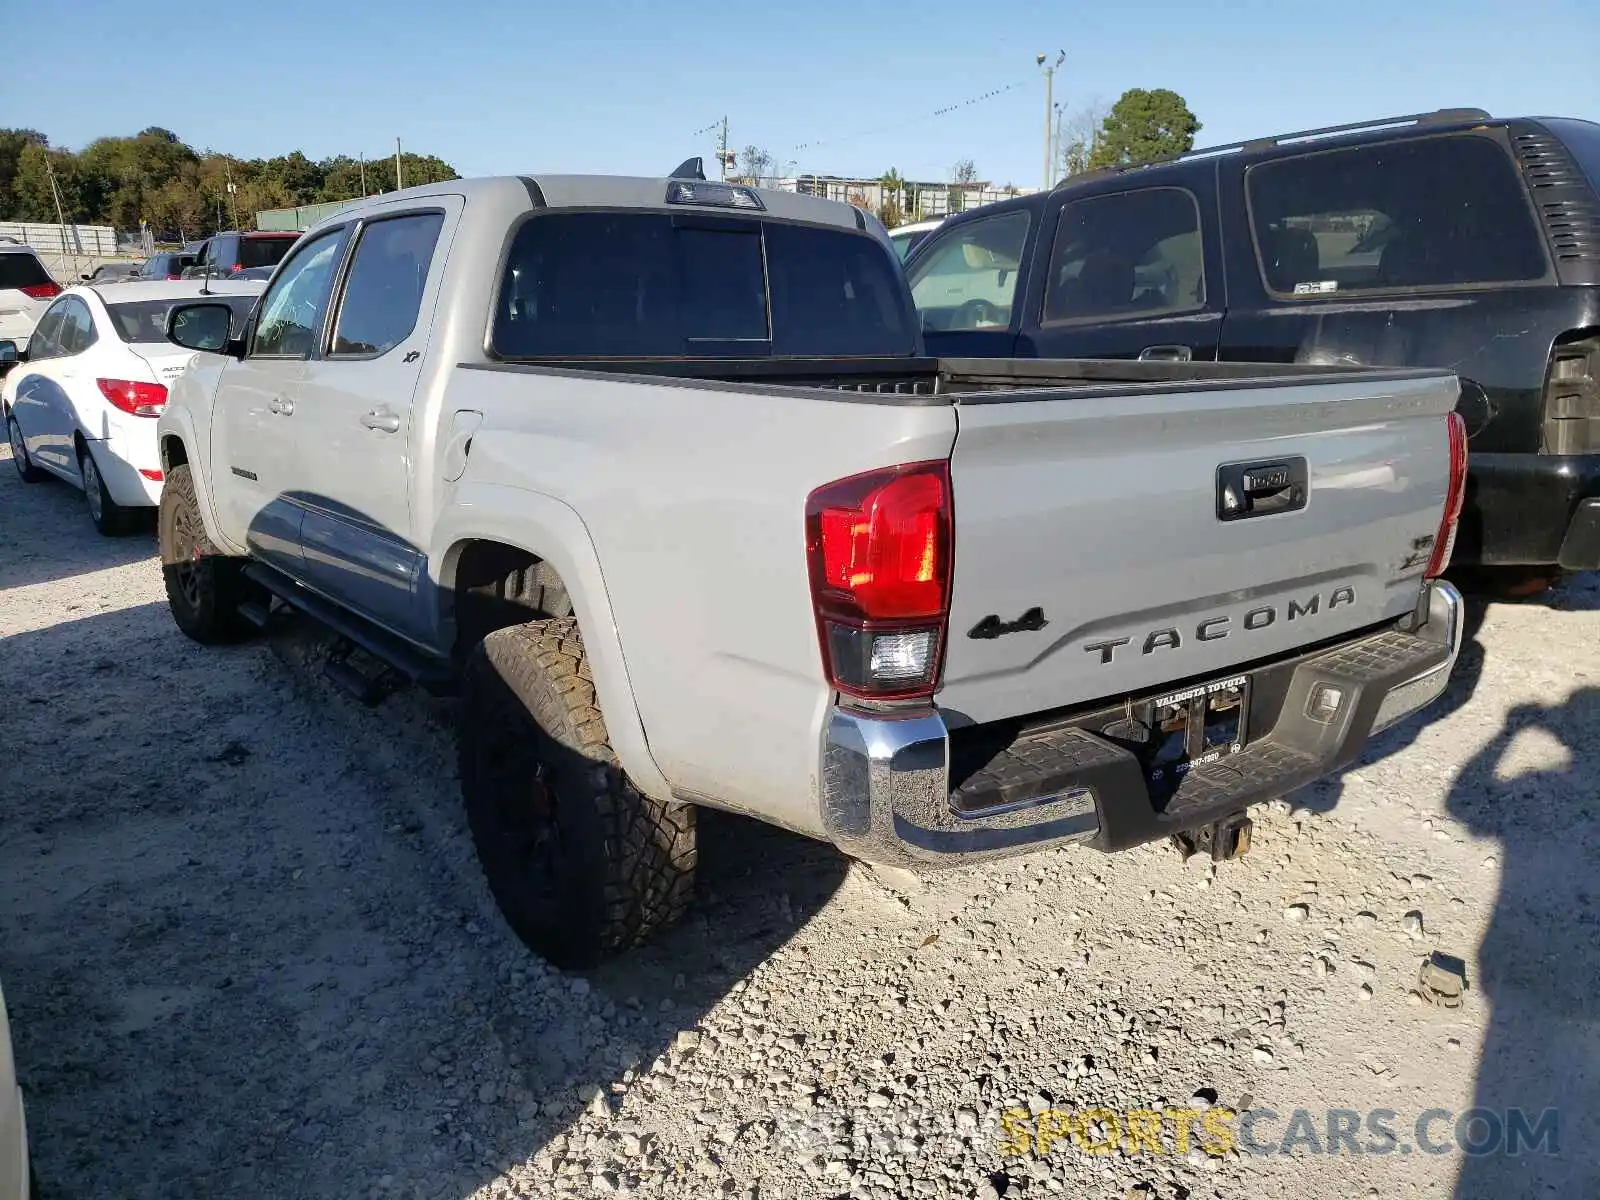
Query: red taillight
x=41, y=291
x=1445, y=541
x=879, y=550
x=154, y=476
x=174, y=276
x=134, y=397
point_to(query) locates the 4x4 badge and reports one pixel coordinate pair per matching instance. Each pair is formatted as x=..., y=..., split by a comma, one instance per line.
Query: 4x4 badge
x=992, y=626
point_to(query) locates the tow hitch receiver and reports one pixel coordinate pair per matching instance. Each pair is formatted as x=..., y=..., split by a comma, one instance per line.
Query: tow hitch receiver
x=1226, y=838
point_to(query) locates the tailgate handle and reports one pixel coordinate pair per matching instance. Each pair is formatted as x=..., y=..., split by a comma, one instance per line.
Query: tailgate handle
x=1259, y=489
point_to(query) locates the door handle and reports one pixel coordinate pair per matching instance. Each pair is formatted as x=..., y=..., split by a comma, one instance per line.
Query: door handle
x=382, y=420
x=1166, y=354
x=281, y=405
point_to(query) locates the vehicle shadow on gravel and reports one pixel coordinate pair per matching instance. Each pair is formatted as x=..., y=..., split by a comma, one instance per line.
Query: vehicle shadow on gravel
x=1538, y=966
x=56, y=503
x=250, y=953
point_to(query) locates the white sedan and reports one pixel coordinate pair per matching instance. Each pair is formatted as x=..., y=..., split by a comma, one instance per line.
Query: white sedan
x=82, y=401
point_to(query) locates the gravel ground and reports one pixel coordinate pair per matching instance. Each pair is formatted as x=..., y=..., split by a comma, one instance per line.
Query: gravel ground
x=248, y=952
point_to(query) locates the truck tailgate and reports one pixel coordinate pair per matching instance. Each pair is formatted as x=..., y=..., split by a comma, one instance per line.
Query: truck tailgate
x=1100, y=509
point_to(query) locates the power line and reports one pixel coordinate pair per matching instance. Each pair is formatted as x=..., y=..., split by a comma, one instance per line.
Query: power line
x=938, y=112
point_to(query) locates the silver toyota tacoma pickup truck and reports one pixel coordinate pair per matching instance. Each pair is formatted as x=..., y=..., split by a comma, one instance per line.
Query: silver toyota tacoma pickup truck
x=652, y=471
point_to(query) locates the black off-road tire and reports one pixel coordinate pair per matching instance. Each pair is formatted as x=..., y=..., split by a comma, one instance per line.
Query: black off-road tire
x=19, y=453
x=204, y=585
x=582, y=864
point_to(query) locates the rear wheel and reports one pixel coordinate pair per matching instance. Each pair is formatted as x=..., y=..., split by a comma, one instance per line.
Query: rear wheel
x=19, y=452
x=582, y=864
x=109, y=517
x=204, y=586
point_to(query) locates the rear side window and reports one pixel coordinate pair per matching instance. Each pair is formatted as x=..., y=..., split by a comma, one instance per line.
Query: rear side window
x=1394, y=216
x=21, y=270
x=383, y=292
x=262, y=252
x=968, y=278
x=640, y=284
x=1129, y=255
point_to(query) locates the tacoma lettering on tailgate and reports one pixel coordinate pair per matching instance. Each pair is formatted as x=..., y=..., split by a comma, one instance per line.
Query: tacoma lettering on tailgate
x=1211, y=629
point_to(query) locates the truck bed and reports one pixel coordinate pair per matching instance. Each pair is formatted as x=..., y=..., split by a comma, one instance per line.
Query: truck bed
x=945, y=380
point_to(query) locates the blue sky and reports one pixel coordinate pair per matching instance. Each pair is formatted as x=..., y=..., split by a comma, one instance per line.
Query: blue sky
x=621, y=85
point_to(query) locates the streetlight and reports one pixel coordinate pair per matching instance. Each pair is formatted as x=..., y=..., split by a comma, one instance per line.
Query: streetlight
x=1049, y=107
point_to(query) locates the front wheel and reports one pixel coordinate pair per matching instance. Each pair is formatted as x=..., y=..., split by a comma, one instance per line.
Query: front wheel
x=204, y=586
x=582, y=864
x=19, y=452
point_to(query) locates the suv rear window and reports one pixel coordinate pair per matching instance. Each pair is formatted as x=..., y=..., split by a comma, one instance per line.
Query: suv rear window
x=21, y=270
x=1393, y=216
x=263, y=251
x=632, y=285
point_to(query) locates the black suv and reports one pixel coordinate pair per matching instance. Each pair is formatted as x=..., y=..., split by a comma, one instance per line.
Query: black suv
x=231, y=252
x=1450, y=239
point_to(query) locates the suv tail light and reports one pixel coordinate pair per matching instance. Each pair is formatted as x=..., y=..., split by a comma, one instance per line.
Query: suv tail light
x=879, y=548
x=41, y=291
x=1572, y=399
x=1445, y=541
x=134, y=397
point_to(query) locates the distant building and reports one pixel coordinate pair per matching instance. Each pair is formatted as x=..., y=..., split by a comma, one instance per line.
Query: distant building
x=917, y=200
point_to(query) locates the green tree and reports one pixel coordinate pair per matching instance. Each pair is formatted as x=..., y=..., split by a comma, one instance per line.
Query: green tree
x=1142, y=126
x=12, y=143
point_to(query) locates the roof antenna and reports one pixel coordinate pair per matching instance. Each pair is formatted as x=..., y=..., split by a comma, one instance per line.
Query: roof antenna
x=689, y=168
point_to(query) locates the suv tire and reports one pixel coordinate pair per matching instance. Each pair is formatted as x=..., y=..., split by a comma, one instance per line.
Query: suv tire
x=582, y=864
x=204, y=586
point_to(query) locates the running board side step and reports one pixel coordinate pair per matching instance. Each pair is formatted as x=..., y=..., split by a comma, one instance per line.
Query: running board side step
x=433, y=674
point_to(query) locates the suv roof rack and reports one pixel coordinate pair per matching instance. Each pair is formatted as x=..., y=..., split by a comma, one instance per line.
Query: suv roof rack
x=1441, y=116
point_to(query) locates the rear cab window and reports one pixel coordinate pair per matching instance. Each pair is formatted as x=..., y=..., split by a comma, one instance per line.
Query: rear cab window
x=648, y=284
x=1393, y=216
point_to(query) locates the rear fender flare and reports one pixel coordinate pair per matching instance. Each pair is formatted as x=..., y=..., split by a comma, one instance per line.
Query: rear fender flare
x=550, y=529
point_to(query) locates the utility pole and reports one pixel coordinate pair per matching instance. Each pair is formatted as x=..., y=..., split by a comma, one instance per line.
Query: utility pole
x=722, y=149
x=363, y=175
x=1055, y=144
x=233, y=192
x=1049, y=108
x=399, y=178
x=61, y=216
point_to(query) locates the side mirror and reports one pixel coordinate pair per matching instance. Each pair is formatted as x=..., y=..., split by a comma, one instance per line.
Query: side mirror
x=1000, y=276
x=200, y=327
x=9, y=353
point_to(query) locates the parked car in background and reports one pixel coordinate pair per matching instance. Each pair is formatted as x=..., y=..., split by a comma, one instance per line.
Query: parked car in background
x=26, y=290
x=254, y=273
x=81, y=403
x=906, y=238
x=929, y=611
x=111, y=272
x=1447, y=239
x=166, y=264
x=228, y=253
x=15, y=1177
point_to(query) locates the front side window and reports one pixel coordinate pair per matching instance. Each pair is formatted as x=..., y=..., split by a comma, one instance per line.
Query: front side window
x=1394, y=216
x=968, y=278
x=644, y=284
x=293, y=308
x=44, y=341
x=1132, y=255
x=383, y=292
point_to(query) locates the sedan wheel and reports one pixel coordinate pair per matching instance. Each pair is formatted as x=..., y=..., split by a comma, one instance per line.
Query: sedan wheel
x=19, y=453
x=109, y=517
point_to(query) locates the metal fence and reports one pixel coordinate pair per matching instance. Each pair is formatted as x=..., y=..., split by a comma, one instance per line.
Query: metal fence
x=298, y=220
x=94, y=241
